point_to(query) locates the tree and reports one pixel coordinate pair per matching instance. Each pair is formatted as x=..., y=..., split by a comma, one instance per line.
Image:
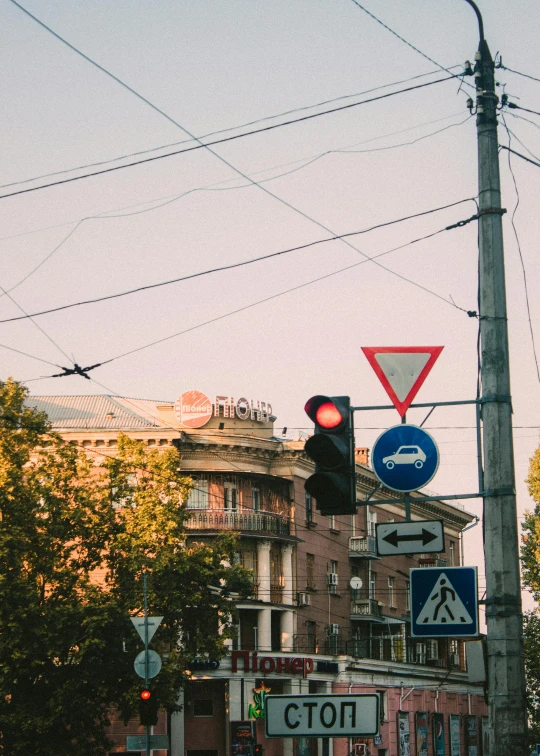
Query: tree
x=531, y=637
x=76, y=536
x=530, y=562
x=530, y=550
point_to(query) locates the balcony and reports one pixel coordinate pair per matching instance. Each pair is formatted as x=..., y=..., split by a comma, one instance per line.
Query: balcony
x=363, y=546
x=385, y=648
x=366, y=609
x=255, y=522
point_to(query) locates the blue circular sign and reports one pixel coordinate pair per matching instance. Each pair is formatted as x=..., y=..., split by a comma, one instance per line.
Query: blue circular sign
x=405, y=458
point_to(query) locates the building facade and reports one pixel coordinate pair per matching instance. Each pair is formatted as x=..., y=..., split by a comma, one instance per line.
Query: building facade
x=327, y=615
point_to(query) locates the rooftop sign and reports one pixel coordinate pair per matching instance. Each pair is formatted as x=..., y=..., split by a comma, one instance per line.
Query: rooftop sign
x=195, y=409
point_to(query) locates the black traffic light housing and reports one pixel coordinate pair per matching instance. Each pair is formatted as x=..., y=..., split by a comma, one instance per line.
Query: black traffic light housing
x=333, y=485
x=148, y=708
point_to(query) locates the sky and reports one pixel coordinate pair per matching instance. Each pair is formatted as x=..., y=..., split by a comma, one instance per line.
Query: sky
x=232, y=67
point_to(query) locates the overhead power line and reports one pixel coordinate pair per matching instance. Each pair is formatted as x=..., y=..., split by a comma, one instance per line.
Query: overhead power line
x=402, y=39
x=215, y=141
x=519, y=154
x=221, y=131
x=237, y=265
x=218, y=185
x=296, y=288
x=519, y=73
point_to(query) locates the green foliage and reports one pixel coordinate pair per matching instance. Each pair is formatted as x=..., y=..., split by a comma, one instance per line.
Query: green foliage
x=530, y=549
x=75, y=540
x=531, y=636
x=530, y=563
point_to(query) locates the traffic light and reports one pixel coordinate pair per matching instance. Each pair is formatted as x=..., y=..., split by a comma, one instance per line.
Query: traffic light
x=257, y=749
x=332, y=448
x=148, y=708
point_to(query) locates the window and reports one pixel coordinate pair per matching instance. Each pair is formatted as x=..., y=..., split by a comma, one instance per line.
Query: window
x=203, y=708
x=451, y=556
x=432, y=649
x=198, y=496
x=391, y=598
x=407, y=596
x=311, y=631
x=372, y=521
x=256, y=498
x=309, y=507
x=247, y=558
x=310, y=571
x=372, y=583
x=333, y=566
x=230, y=497
x=332, y=522
x=382, y=705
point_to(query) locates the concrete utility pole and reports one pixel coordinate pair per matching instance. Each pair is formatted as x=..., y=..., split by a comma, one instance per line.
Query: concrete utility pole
x=505, y=658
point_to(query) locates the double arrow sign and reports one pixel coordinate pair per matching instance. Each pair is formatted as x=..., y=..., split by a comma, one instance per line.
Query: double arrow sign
x=410, y=537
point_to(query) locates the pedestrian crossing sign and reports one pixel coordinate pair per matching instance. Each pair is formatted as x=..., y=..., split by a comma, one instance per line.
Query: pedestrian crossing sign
x=444, y=602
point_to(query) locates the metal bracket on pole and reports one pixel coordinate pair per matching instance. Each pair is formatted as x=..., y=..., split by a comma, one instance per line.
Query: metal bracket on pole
x=146, y=678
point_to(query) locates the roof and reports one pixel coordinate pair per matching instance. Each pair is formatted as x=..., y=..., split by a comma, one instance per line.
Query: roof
x=98, y=412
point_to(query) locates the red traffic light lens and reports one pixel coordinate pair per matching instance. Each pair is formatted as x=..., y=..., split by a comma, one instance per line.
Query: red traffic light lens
x=328, y=416
x=145, y=695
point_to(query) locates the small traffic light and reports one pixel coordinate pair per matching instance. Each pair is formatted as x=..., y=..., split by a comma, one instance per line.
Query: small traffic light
x=257, y=749
x=148, y=708
x=332, y=448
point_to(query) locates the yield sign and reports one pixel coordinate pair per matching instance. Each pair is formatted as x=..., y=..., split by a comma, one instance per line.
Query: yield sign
x=402, y=370
x=153, y=624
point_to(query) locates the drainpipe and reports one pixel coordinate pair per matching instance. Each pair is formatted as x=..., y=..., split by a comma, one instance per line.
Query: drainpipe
x=472, y=525
x=402, y=697
x=436, y=700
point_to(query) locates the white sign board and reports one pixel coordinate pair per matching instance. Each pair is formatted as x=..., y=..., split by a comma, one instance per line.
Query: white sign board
x=416, y=537
x=153, y=624
x=326, y=716
x=138, y=742
x=154, y=664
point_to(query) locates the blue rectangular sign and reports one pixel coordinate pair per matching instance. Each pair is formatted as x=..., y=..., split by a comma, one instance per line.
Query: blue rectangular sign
x=444, y=602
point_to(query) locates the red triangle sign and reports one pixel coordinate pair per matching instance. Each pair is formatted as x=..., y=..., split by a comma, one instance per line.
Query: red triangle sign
x=402, y=370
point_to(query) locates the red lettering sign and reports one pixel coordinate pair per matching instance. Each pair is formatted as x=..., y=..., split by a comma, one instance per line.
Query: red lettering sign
x=267, y=664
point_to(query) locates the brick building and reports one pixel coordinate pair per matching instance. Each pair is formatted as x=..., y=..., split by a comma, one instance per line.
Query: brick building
x=327, y=614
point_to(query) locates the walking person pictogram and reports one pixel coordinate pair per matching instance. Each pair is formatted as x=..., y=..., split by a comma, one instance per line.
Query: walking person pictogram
x=443, y=601
x=443, y=605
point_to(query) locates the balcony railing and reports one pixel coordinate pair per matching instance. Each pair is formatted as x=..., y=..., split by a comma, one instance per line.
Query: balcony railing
x=220, y=519
x=385, y=648
x=363, y=546
x=366, y=609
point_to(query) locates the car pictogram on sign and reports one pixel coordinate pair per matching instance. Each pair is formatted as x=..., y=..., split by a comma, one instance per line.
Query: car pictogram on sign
x=406, y=455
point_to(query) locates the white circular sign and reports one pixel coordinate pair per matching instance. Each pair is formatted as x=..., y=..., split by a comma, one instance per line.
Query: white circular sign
x=154, y=663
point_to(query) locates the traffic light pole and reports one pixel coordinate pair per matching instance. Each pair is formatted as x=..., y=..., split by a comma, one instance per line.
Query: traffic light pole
x=146, y=678
x=505, y=658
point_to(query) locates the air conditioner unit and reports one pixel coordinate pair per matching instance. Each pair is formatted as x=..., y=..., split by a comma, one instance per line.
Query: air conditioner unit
x=332, y=578
x=333, y=629
x=454, y=660
x=303, y=599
